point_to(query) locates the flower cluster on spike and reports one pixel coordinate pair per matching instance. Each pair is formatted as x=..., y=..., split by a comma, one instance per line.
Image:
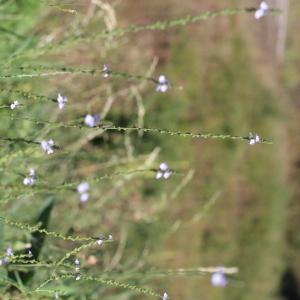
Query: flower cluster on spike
x=219, y=278
x=83, y=189
x=163, y=84
x=92, y=120
x=61, y=100
x=254, y=139
x=164, y=171
x=262, y=10
x=48, y=146
x=15, y=104
x=30, y=179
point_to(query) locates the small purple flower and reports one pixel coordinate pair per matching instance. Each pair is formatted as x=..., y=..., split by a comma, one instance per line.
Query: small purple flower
x=92, y=120
x=61, y=100
x=163, y=84
x=100, y=240
x=254, y=139
x=165, y=297
x=163, y=171
x=9, y=252
x=262, y=11
x=48, y=146
x=31, y=178
x=106, y=71
x=219, y=278
x=83, y=189
x=77, y=265
x=15, y=104
x=77, y=277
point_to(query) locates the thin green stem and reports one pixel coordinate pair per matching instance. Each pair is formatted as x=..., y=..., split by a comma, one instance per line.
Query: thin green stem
x=156, y=26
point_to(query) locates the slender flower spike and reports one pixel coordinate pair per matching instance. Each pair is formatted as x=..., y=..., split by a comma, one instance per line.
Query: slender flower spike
x=48, y=146
x=31, y=178
x=165, y=296
x=92, y=120
x=163, y=171
x=219, y=279
x=106, y=71
x=61, y=100
x=254, y=139
x=262, y=11
x=163, y=84
x=14, y=105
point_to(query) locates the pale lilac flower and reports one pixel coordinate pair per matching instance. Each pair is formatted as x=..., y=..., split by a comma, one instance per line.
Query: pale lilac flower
x=4, y=261
x=262, y=11
x=28, y=181
x=56, y=296
x=100, y=240
x=83, y=189
x=164, y=171
x=254, y=139
x=163, y=84
x=92, y=120
x=110, y=237
x=165, y=296
x=84, y=197
x=219, y=279
x=9, y=252
x=77, y=277
x=61, y=100
x=106, y=71
x=31, y=178
x=77, y=265
x=14, y=105
x=48, y=146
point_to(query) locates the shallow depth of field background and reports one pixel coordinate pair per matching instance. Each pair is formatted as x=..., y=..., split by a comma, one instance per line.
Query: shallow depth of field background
x=230, y=205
